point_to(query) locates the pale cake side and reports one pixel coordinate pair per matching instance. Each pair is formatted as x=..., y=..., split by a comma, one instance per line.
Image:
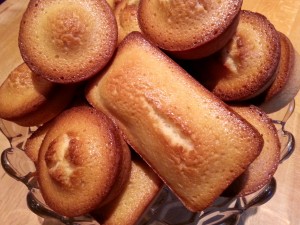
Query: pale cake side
x=126, y=16
x=34, y=142
x=142, y=187
x=287, y=81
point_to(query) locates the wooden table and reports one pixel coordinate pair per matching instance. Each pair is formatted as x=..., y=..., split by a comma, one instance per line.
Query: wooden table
x=282, y=209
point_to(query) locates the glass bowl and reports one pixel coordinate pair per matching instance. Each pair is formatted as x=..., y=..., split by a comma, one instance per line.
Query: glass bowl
x=165, y=209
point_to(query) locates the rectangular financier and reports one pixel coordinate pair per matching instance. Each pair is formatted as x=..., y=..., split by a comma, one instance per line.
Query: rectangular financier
x=194, y=142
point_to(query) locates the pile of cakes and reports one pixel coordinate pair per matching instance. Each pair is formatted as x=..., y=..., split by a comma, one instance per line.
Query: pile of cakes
x=129, y=95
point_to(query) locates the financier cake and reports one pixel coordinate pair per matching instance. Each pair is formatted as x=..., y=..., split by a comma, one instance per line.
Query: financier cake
x=67, y=41
x=287, y=81
x=189, y=29
x=141, y=189
x=247, y=65
x=195, y=142
x=81, y=159
x=262, y=169
x=30, y=100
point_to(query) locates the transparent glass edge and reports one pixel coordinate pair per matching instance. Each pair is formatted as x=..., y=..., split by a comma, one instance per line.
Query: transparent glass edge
x=222, y=214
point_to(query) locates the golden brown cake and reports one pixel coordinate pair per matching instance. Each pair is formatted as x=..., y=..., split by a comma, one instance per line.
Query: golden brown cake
x=195, y=142
x=246, y=66
x=18, y=95
x=142, y=187
x=262, y=169
x=67, y=41
x=30, y=100
x=56, y=104
x=34, y=142
x=287, y=81
x=126, y=17
x=80, y=160
x=189, y=29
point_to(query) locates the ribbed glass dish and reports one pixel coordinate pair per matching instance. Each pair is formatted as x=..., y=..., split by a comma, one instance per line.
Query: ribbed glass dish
x=165, y=209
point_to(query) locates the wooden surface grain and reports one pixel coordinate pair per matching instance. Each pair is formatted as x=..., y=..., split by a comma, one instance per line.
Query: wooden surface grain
x=282, y=209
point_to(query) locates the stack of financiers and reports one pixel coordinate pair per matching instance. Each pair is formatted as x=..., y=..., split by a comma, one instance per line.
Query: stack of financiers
x=129, y=96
